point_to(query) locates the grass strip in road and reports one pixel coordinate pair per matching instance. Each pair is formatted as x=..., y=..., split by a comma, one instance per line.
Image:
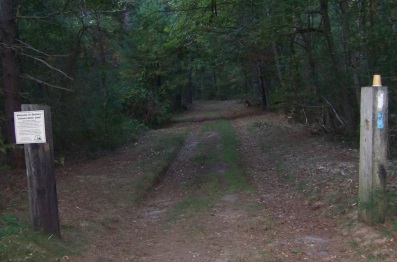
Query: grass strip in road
x=212, y=185
x=234, y=175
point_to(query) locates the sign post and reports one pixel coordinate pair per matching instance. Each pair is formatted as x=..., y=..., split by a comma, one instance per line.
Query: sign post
x=33, y=128
x=373, y=153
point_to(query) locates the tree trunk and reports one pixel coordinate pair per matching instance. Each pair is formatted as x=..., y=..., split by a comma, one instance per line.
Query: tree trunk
x=214, y=90
x=71, y=60
x=275, y=52
x=101, y=42
x=262, y=86
x=357, y=63
x=245, y=84
x=337, y=65
x=12, y=84
x=310, y=77
x=352, y=57
x=189, y=90
x=177, y=99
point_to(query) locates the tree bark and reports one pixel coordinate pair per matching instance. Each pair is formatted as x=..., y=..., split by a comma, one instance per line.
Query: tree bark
x=214, y=90
x=310, y=77
x=12, y=84
x=262, y=85
x=352, y=57
x=275, y=52
x=189, y=89
x=337, y=65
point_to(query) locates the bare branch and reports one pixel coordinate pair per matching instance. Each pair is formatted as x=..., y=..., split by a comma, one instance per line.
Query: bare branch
x=36, y=50
x=341, y=120
x=48, y=65
x=28, y=77
x=12, y=47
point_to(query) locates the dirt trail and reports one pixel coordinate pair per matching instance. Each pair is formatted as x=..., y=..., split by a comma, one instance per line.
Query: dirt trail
x=145, y=233
x=290, y=215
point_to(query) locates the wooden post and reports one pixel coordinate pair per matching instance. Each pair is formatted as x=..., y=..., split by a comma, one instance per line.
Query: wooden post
x=39, y=160
x=373, y=154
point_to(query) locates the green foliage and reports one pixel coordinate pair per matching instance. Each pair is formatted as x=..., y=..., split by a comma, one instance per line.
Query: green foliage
x=101, y=126
x=132, y=61
x=10, y=225
x=4, y=146
x=391, y=199
x=145, y=105
x=18, y=242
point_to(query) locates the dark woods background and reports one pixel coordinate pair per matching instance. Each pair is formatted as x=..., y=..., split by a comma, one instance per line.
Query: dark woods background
x=111, y=68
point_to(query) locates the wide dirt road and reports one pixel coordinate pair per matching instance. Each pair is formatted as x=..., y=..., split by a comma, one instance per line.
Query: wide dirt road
x=289, y=195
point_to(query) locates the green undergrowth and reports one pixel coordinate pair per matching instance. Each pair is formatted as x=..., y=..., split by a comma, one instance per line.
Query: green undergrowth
x=19, y=243
x=209, y=186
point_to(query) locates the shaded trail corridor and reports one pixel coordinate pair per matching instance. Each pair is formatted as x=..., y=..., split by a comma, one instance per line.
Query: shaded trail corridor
x=194, y=213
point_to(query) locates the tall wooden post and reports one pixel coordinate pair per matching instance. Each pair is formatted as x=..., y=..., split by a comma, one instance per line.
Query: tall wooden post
x=41, y=179
x=373, y=154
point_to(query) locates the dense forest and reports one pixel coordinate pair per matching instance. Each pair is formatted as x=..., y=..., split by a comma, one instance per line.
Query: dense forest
x=109, y=69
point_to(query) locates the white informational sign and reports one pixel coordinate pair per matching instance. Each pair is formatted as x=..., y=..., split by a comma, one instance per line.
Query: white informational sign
x=29, y=127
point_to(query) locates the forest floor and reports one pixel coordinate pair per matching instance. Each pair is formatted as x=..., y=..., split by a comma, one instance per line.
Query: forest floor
x=243, y=185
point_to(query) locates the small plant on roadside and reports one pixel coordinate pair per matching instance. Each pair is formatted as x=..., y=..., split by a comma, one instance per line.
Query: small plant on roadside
x=301, y=185
x=354, y=244
x=289, y=177
x=240, y=259
x=391, y=198
x=10, y=225
x=279, y=166
x=4, y=147
x=296, y=250
x=19, y=243
x=394, y=225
